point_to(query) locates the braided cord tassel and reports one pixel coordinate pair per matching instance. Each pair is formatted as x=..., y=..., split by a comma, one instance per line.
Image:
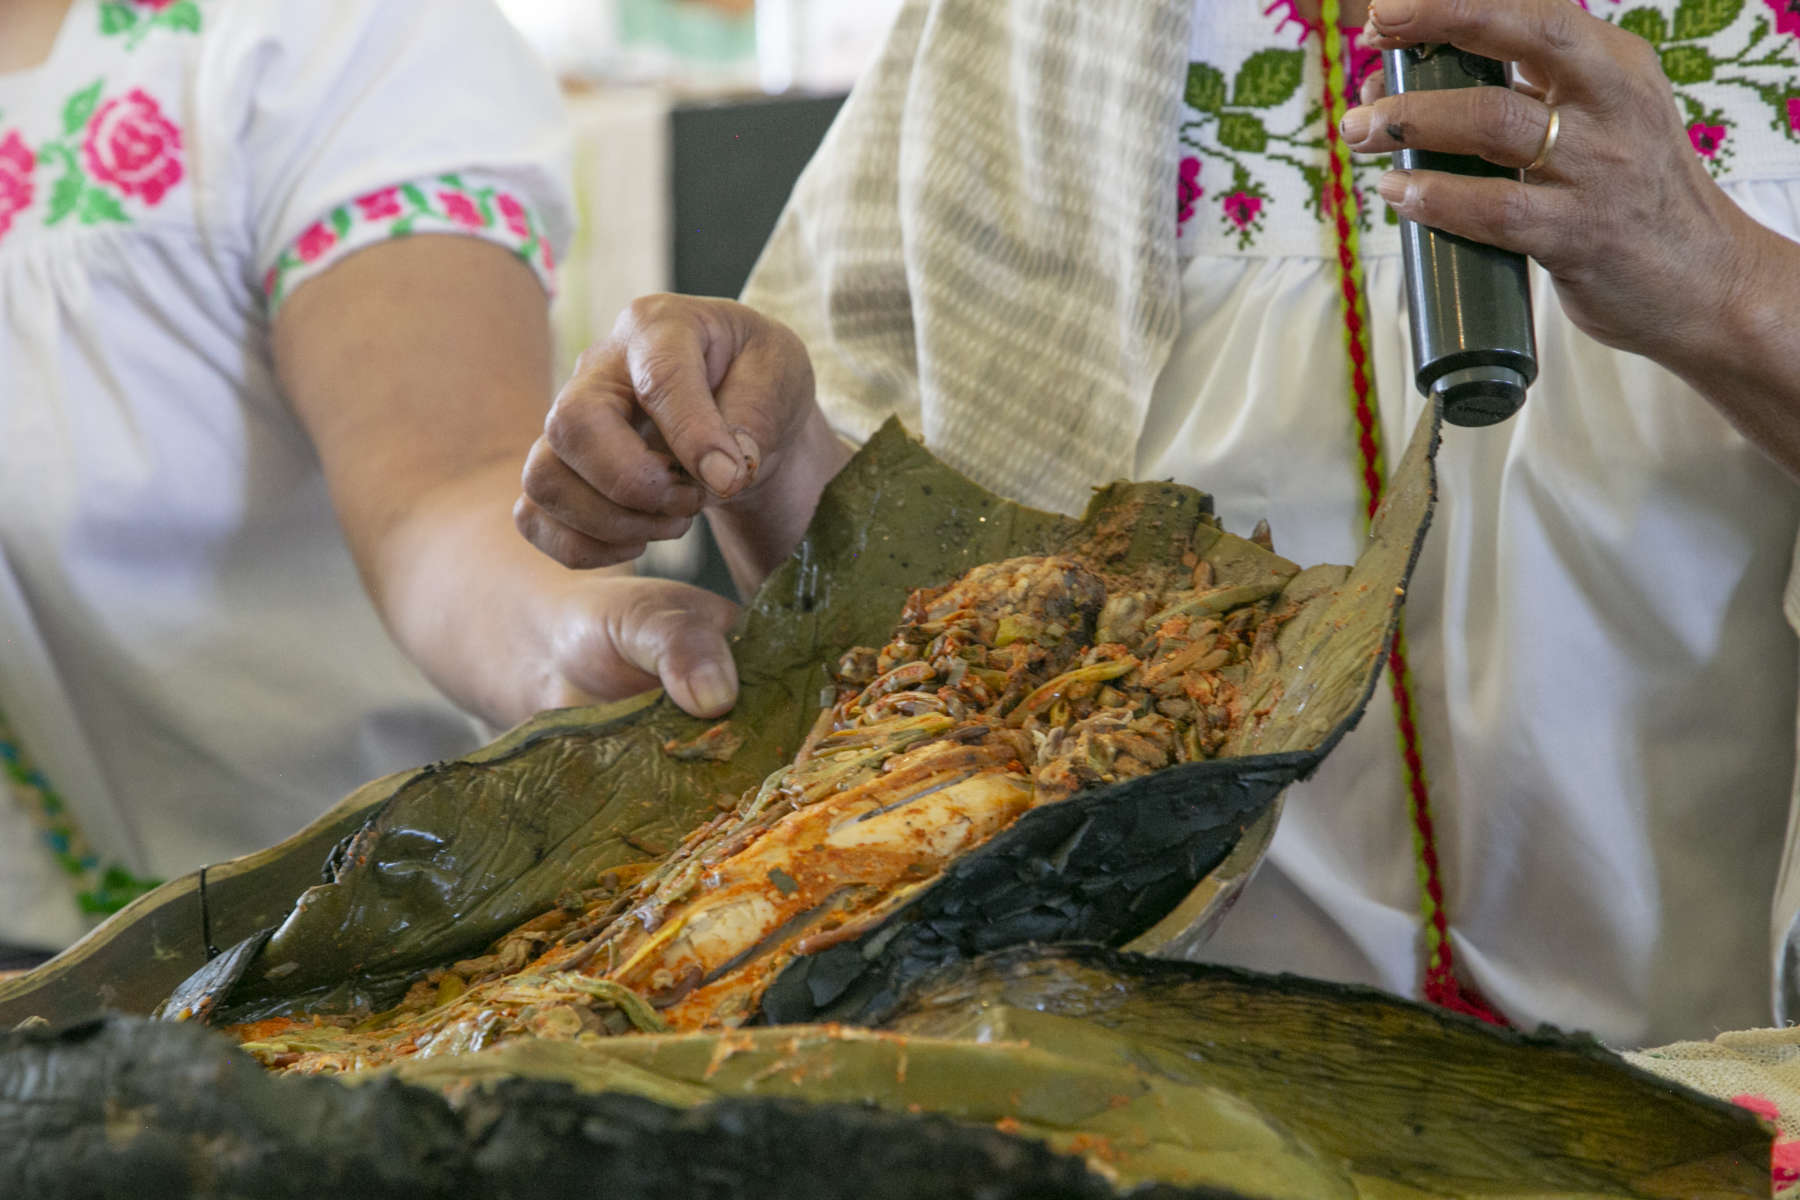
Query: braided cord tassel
x=103, y=888
x=1441, y=986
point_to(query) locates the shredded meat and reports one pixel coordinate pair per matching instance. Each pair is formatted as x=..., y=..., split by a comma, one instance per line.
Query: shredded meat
x=1018, y=684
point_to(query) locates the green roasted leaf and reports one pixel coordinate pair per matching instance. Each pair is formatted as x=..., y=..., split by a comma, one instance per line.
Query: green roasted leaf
x=1268, y=78
x=448, y=857
x=1403, y=1093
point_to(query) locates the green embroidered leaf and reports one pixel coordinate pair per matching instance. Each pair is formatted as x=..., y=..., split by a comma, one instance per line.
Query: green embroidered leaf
x=98, y=204
x=1687, y=64
x=1703, y=18
x=1243, y=131
x=117, y=18
x=1268, y=78
x=1647, y=23
x=65, y=196
x=454, y=180
x=415, y=197
x=275, y=283
x=80, y=107
x=340, y=220
x=182, y=15
x=1205, y=87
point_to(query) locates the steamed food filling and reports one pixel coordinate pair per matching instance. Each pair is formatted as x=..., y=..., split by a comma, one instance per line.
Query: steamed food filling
x=1018, y=684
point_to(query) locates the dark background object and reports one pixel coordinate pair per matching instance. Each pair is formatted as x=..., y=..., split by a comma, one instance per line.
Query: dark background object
x=1469, y=305
x=733, y=164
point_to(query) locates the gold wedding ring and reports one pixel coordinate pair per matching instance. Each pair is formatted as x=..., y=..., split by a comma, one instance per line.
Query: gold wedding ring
x=1549, y=144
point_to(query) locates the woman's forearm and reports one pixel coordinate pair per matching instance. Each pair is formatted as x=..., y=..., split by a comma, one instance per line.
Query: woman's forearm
x=471, y=602
x=422, y=415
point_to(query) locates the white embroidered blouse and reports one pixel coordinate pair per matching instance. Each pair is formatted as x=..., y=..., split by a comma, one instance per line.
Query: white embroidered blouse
x=185, y=649
x=1604, y=673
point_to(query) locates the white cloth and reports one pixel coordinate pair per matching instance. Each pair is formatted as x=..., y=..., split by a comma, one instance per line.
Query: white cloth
x=185, y=647
x=1605, y=681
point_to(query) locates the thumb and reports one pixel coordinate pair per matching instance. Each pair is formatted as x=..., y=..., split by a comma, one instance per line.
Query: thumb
x=676, y=633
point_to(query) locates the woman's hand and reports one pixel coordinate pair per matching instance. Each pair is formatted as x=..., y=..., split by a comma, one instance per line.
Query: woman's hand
x=613, y=636
x=692, y=403
x=421, y=415
x=1644, y=247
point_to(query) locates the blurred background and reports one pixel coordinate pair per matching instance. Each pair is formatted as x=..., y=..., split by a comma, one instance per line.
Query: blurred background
x=692, y=119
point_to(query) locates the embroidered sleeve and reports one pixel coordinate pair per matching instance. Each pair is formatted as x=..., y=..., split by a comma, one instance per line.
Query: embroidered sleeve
x=347, y=122
x=465, y=204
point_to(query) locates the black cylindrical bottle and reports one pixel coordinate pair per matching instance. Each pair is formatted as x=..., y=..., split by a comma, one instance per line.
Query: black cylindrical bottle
x=1469, y=304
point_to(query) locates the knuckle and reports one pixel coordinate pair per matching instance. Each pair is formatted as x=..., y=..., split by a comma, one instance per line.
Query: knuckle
x=527, y=519
x=597, y=358
x=1514, y=212
x=538, y=478
x=644, y=486
x=1464, y=17
x=562, y=429
x=642, y=311
x=654, y=372
x=1562, y=28
x=1506, y=122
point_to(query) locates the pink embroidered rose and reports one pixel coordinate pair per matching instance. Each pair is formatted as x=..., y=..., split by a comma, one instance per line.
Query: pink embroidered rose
x=1242, y=208
x=380, y=205
x=461, y=209
x=153, y=5
x=1188, y=189
x=132, y=146
x=16, y=165
x=314, y=241
x=1787, y=15
x=549, y=259
x=1793, y=107
x=1706, y=138
x=269, y=279
x=513, y=213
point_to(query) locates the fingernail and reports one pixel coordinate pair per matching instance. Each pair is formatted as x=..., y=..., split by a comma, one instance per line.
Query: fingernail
x=719, y=471
x=1393, y=12
x=1397, y=188
x=712, y=691
x=752, y=453
x=1355, y=125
